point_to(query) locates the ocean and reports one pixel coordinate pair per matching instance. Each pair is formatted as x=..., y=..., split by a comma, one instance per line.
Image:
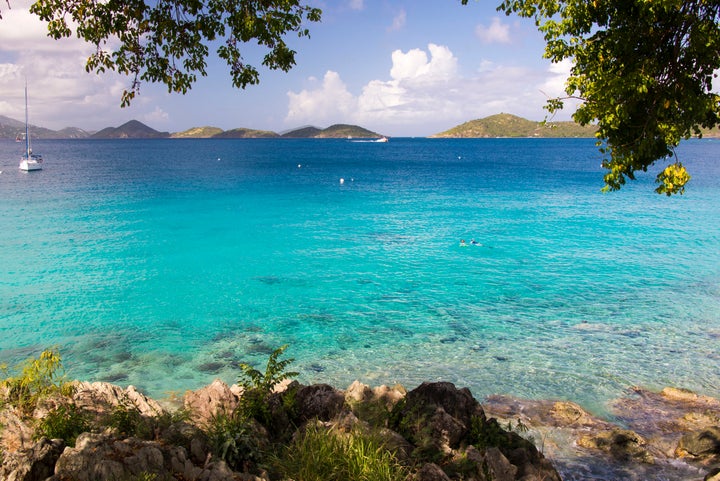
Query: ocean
x=165, y=263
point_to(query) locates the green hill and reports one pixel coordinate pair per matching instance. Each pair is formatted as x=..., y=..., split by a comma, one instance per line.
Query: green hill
x=130, y=130
x=507, y=125
x=197, y=133
x=242, y=133
x=343, y=131
x=302, y=133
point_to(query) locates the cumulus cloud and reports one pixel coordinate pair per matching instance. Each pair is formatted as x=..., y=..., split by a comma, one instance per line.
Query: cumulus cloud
x=425, y=93
x=328, y=103
x=496, y=32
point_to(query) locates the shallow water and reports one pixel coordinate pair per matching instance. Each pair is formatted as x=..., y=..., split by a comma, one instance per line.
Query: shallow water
x=163, y=263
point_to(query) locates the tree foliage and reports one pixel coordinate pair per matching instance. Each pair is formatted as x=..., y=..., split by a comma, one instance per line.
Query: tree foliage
x=644, y=71
x=168, y=41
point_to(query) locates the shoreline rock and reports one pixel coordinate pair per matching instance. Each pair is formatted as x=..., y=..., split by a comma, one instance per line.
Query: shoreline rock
x=672, y=434
x=440, y=431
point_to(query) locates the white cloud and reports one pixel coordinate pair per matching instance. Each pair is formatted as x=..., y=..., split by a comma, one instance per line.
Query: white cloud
x=398, y=21
x=327, y=104
x=425, y=93
x=357, y=4
x=497, y=32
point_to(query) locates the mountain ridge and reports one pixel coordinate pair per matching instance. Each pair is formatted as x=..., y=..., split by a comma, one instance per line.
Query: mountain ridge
x=498, y=125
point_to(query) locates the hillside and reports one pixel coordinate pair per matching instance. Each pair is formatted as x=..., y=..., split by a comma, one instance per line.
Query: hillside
x=343, y=131
x=302, y=133
x=197, y=133
x=11, y=128
x=130, y=130
x=243, y=133
x=507, y=125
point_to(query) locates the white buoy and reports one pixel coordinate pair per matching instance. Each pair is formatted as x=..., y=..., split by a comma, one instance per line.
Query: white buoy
x=342, y=181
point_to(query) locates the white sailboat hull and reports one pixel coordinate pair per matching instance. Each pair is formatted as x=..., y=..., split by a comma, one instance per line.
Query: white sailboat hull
x=31, y=164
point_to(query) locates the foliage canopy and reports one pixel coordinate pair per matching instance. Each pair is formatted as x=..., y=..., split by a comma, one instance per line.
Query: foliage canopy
x=168, y=41
x=643, y=70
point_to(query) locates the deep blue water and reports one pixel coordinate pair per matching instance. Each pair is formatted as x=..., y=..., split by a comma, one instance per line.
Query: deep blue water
x=163, y=263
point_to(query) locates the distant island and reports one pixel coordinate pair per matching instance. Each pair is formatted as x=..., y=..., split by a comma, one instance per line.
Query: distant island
x=507, y=125
x=11, y=129
x=494, y=126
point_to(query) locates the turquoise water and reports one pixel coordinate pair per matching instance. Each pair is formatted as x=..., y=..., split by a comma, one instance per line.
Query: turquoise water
x=163, y=263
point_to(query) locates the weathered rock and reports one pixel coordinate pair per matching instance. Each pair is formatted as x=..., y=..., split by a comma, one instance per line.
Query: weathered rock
x=437, y=416
x=103, y=457
x=319, y=401
x=16, y=433
x=103, y=397
x=215, y=399
x=621, y=443
x=431, y=472
x=389, y=396
x=34, y=464
x=190, y=437
x=458, y=403
x=704, y=443
x=358, y=392
x=498, y=466
x=557, y=414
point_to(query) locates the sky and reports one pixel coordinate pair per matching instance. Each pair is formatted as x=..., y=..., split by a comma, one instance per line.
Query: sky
x=397, y=67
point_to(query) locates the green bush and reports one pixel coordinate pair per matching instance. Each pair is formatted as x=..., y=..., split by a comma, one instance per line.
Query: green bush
x=38, y=379
x=66, y=422
x=258, y=386
x=322, y=455
x=233, y=439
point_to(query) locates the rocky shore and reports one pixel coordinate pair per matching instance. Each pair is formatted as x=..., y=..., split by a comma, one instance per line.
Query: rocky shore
x=437, y=431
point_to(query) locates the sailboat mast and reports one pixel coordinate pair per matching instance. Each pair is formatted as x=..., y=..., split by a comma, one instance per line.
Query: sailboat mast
x=27, y=132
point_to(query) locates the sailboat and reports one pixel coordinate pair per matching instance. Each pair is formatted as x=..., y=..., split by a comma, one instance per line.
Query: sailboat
x=29, y=161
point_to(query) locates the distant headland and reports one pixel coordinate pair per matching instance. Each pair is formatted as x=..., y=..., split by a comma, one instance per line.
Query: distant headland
x=501, y=125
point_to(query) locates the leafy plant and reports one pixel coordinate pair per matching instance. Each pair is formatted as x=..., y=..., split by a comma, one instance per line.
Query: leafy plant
x=127, y=420
x=322, y=455
x=233, y=439
x=274, y=374
x=38, y=379
x=259, y=386
x=67, y=422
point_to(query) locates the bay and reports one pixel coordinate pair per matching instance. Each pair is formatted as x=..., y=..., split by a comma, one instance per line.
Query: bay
x=164, y=263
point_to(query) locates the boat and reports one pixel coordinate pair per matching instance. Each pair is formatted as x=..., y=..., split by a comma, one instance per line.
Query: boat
x=29, y=161
x=382, y=139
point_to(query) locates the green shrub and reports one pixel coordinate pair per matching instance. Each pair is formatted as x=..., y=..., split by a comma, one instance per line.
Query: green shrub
x=258, y=386
x=321, y=455
x=489, y=433
x=66, y=422
x=38, y=379
x=233, y=439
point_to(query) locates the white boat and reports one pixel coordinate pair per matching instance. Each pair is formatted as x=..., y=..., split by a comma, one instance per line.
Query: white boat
x=382, y=139
x=29, y=161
